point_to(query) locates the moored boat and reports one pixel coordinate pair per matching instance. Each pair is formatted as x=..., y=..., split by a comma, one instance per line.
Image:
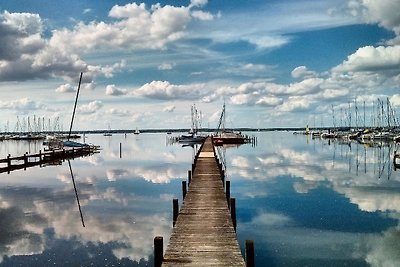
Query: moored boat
x=224, y=136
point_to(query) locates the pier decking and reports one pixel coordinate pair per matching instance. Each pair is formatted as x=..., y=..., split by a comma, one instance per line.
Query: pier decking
x=9, y=163
x=204, y=233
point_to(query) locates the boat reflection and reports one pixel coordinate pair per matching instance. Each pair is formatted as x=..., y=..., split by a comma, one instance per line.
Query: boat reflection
x=76, y=193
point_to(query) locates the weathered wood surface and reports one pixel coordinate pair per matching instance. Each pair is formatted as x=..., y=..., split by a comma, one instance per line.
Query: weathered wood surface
x=203, y=234
x=47, y=157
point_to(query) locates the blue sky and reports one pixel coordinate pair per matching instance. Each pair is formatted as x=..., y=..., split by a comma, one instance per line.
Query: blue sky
x=274, y=63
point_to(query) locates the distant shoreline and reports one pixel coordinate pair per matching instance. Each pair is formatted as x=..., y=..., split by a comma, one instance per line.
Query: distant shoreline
x=179, y=130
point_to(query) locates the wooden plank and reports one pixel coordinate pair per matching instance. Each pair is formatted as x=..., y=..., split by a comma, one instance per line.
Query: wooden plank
x=203, y=234
x=206, y=154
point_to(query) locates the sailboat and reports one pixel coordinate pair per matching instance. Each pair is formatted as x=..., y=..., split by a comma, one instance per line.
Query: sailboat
x=109, y=131
x=136, y=131
x=192, y=137
x=53, y=144
x=224, y=136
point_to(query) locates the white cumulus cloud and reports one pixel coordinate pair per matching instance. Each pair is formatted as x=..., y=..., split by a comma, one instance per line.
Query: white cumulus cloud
x=112, y=90
x=384, y=12
x=164, y=90
x=24, y=104
x=65, y=88
x=373, y=59
x=302, y=72
x=91, y=107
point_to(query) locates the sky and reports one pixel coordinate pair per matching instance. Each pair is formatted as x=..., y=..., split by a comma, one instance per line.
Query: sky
x=274, y=63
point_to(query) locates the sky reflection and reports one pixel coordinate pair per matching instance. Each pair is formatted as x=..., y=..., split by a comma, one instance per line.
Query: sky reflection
x=310, y=203
x=126, y=202
x=303, y=202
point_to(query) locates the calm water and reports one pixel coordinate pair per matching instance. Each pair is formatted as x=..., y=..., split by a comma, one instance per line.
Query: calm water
x=303, y=202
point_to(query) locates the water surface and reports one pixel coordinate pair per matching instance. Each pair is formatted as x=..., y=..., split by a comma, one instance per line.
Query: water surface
x=304, y=202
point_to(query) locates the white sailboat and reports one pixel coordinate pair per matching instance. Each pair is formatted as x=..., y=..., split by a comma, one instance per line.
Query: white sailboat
x=192, y=137
x=224, y=136
x=109, y=131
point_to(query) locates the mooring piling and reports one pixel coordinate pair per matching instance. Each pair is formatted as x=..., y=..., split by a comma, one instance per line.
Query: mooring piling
x=158, y=251
x=249, y=253
x=184, y=190
x=175, y=210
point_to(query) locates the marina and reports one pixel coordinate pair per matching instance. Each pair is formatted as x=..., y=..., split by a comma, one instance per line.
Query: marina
x=200, y=133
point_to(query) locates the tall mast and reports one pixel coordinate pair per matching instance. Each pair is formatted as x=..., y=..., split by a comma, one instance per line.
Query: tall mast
x=364, y=114
x=76, y=101
x=224, y=117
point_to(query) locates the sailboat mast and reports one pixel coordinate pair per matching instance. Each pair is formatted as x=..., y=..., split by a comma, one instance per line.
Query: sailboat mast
x=224, y=118
x=76, y=101
x=191, y=113
x=364, y=115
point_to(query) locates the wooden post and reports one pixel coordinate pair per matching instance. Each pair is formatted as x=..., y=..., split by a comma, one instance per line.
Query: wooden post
x=228, y=193
x=40, y=158
x=25, y=160
x=120, y=150
x=222, y=174
x=189, y=176
x=193, y=166
x=175, y=210
x=233, y=212
x=9, y=160
x=249, y=255
x=158, y=251
x=184, y=190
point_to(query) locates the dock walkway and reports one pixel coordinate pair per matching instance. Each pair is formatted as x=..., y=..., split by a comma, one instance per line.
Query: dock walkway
x=51, y=157
x=204, y=234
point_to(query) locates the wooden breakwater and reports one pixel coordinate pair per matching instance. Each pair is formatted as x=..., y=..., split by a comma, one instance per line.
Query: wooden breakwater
x=50, y=157
x=204, y=232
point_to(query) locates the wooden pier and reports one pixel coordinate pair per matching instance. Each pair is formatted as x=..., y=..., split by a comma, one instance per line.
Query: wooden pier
x=204, y=229
x=51, y=157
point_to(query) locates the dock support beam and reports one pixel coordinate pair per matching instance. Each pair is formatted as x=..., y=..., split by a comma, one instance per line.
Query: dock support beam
x=158, y=251
x=250, y=253
x=189, y=177
x=175, y=210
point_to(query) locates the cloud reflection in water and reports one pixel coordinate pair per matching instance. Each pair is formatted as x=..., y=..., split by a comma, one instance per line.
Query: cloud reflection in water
x=338, y=211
